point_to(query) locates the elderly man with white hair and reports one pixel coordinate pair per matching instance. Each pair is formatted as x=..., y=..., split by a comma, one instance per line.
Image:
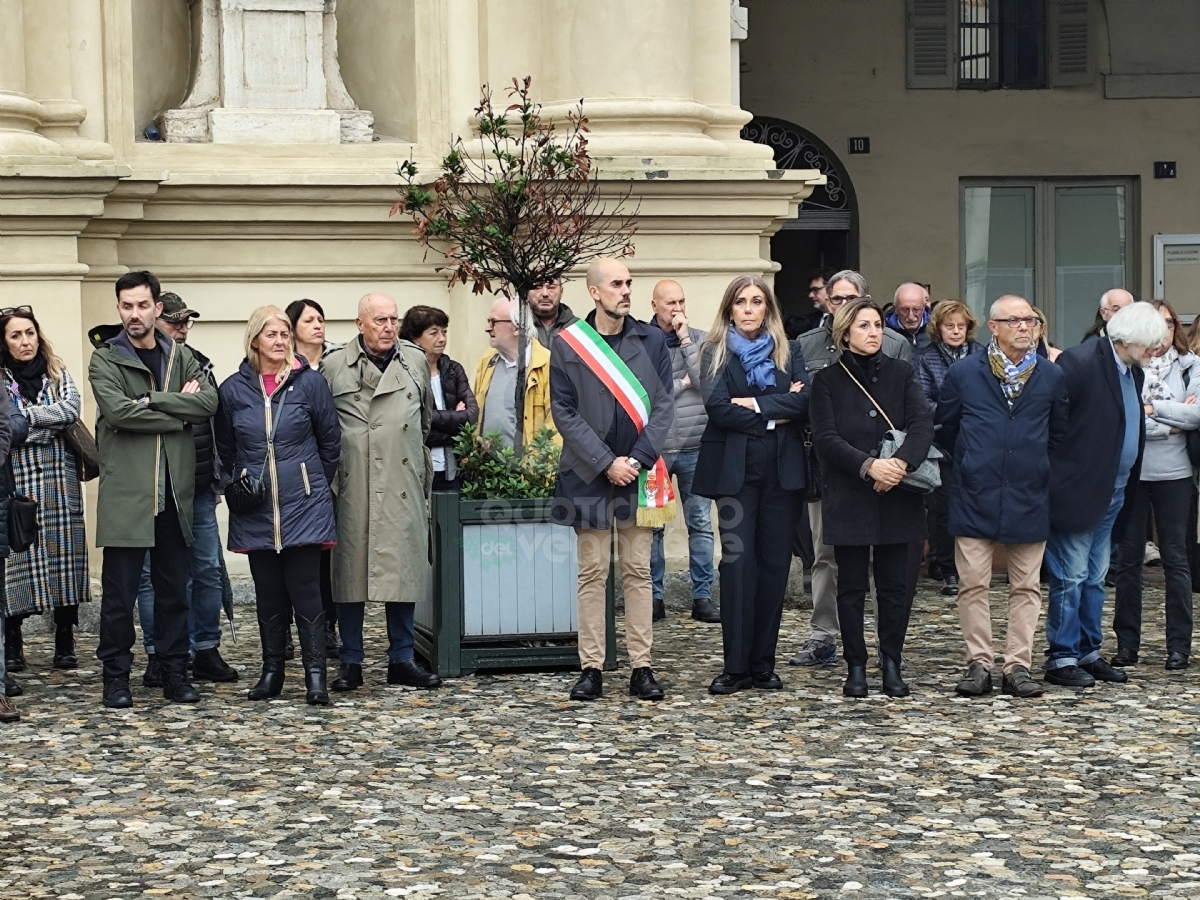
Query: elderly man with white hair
x=909, y=317
x=1111, y=303
x=495, y=385
x=1093, y=472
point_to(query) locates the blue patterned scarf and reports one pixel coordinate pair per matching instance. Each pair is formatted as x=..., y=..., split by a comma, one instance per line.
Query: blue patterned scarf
x=1012, y=375
x=755, y=357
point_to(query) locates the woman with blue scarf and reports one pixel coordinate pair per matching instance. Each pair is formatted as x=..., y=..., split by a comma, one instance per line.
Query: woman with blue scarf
x=752, y=462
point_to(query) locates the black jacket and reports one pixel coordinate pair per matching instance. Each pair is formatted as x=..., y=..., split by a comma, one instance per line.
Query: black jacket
x=847, y=430
x=207, y=470
x=721, y=467
x=1083, y=468
x=585, y=414
x=456, y=388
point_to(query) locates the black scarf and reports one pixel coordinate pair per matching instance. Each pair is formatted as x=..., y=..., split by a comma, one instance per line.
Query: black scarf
x=381, y=362
x=862, y=367
x=29, y=376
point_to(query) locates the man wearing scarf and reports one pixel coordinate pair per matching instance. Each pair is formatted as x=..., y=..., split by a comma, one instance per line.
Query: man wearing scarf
x=604, y=456
x=1000, y=416
x=910, y=315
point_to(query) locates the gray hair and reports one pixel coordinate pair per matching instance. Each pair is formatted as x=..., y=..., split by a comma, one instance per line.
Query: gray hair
x=514, y=316
x=896, y=295
x=860, y=283
x=1138, y=324
x=995, y=307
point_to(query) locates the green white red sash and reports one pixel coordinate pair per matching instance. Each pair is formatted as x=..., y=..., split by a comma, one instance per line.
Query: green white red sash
x=656, y=496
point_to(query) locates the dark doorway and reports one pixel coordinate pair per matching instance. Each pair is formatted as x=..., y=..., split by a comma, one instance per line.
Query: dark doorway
x=825, y=233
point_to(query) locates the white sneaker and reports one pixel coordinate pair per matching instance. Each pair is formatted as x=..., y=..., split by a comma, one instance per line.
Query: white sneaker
x=1152, y=557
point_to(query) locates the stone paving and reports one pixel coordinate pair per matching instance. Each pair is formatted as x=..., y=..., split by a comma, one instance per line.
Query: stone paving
x=498, y=787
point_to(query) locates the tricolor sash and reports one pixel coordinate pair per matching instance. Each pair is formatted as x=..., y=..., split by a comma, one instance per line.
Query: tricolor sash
x=656, y=496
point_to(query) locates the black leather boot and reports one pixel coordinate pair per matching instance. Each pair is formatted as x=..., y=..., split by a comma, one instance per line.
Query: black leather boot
x=349, y=677
x=311, y=633
x=64, y=646
x=274, y=633
x=332, y=647
x=856, y=681
x=14, y=648
x=893, y=684
x=176, y=686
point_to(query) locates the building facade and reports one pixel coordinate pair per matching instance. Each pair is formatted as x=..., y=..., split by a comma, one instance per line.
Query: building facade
x=987, y=146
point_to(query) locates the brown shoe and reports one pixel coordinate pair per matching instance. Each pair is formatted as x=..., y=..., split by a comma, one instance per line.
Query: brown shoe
x=8, y=711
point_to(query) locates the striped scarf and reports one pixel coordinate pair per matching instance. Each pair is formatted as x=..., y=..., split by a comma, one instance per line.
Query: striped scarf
x=1012, y=375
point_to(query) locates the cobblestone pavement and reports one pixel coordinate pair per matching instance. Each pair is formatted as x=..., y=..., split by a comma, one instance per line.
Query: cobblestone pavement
x=497, y=786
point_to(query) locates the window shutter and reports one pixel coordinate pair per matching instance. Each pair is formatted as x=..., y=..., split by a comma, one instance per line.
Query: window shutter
x=1071, y=39
x=931, y=42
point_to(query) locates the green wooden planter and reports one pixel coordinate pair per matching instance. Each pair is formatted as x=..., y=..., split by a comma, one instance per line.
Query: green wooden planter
x=502, y=590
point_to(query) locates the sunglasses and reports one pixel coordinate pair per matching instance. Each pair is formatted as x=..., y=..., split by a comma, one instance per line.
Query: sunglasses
x=16, y=310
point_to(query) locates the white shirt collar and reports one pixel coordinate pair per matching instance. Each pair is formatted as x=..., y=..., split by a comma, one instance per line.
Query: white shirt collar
x=1122, y=367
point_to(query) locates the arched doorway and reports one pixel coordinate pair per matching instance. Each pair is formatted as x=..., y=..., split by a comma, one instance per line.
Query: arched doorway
x=825, y=233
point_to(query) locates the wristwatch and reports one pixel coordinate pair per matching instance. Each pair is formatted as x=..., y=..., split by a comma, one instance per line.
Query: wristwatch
x=637, y=466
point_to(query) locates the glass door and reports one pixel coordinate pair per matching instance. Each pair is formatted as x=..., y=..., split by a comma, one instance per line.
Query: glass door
x=1089, y=254
x=999, y=238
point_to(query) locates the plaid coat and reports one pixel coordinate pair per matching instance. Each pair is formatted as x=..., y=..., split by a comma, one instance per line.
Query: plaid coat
x=54, y=571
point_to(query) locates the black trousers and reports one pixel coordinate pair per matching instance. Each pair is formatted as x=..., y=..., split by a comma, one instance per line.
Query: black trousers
x=286, y=581
x=121, y=574
x=327, y=586
x=940, y=541
x=758, y=529
x=1170, y=503
x=892, y=601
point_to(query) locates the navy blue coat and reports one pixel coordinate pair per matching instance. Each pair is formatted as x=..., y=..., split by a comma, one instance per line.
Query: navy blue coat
x=721, y=467
x=1083, y=468
x=307, y=445
x=999, y=485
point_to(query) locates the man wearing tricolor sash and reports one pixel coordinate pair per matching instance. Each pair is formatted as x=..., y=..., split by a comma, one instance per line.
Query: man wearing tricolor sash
x=610, y=393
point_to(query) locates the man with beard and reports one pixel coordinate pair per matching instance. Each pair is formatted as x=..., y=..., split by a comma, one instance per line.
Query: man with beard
x=550, y=314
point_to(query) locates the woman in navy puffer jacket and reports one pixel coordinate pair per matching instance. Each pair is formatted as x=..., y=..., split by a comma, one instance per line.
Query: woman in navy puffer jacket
x=274, y=389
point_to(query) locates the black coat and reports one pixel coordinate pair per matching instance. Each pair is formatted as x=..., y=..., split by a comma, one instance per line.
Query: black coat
x=586, y=413
x=847, y=430
x=1083, y=468
x=721, y=467
x=308, y=442
x=456, y=388
x=1000, y=482
x=202, y=434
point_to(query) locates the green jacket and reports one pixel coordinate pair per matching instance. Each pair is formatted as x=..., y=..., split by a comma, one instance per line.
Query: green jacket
x=140, y=442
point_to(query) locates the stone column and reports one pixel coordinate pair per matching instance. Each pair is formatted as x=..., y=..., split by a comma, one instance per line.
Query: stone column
x=720, y=24
x=87, y=71
x=20, y=115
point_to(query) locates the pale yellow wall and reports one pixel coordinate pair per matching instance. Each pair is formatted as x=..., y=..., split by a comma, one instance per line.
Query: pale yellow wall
x=161, y=58
x=379, y=61
x=836, y=68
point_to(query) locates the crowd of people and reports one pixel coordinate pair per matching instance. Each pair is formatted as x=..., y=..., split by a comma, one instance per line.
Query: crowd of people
x=854, y=438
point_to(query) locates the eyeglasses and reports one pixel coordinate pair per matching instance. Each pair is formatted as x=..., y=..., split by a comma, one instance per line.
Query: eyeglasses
x=816, y=289
x=16, y=310
x=185, y=325
x=491, y=323
x=838, y=300
x=1019, y=321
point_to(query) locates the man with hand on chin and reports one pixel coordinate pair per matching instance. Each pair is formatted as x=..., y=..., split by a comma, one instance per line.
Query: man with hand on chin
x=682, y=450
x=610, y=391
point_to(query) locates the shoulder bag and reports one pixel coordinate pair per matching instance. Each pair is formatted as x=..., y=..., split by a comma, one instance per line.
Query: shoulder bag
x=926, y=477
x=22, y=523
x=812, y=469
x=247, y=492
x=80, y=442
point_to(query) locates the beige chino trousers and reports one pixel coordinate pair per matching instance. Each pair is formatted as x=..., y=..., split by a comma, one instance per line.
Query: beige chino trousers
x=974, y=559
x=633, y=554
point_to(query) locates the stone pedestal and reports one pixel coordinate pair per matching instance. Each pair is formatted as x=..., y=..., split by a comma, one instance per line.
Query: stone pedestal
x=267, y=73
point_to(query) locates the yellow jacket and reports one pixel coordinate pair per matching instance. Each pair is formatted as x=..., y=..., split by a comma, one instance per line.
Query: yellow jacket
x=537, y=389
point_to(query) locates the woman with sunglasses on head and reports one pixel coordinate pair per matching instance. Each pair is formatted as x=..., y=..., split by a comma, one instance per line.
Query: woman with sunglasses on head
x=1165, y=490
x=53, y=573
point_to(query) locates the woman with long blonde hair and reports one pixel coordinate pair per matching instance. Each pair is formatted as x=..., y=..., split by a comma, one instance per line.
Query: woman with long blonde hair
x=277, y=432
x=751, y=461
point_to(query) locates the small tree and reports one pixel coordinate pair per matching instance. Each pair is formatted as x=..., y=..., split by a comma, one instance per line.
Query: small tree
x=521, y=211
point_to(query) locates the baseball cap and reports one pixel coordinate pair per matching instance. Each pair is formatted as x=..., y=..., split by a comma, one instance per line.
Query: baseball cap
x=174, y=309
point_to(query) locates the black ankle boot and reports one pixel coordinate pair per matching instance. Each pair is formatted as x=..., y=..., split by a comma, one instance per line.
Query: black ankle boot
x=312, y=651
x=14, y=648
x=175, y=684
x=893, y=684
x=274, y=633
x=64, y=646
x=332, y=647
x=856, y=681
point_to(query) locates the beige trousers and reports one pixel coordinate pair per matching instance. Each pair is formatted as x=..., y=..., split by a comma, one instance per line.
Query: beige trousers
x=633, y=554
x=973, y=557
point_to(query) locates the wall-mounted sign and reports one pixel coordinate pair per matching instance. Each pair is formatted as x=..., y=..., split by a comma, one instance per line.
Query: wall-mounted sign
x=1164, y=169
x=1177, y=272
x=859, y=145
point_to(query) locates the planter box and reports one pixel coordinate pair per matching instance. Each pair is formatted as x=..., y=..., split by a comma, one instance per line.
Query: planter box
x=501, y=592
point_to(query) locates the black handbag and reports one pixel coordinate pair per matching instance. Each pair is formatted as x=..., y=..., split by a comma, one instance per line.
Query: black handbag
x=80, y=442
x=812, y=469
x=247, y=492
x=22, y=523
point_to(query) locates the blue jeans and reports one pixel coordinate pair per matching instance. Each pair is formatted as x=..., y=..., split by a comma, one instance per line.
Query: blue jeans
x=1078, y=563
x=400, y=631
x=697, y=513
x=205, y=587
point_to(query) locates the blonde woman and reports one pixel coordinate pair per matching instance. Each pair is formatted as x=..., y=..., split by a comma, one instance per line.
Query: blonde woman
x=277, y=423
x=752, y=461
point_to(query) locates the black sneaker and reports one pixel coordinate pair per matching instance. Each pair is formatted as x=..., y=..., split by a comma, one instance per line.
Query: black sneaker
x=950, y=586
x=152, y=677
x=815, y=652
x=1070, y=676
x=1102, y=671
x=1019, y=683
